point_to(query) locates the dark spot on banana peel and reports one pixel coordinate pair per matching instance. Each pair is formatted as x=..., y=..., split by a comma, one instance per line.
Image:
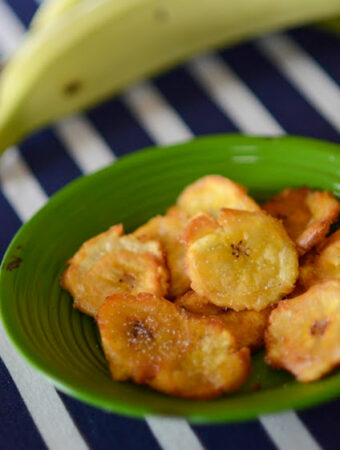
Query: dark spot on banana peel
x=72, y=87
x=13, y=264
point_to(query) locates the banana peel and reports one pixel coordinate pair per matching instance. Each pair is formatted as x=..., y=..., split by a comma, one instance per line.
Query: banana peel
x=91, y=49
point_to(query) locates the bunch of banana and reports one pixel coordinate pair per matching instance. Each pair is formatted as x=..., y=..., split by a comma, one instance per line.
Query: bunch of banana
x=78, y=52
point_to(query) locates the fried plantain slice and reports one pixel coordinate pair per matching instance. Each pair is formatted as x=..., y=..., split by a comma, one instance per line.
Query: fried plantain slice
x=110, y=263
x=152, y=341
x=247, y=326
x=244, y=261
x=323, y=263
x=306, y=214
x=303, y=335
x=168, y=229
x=213, y=192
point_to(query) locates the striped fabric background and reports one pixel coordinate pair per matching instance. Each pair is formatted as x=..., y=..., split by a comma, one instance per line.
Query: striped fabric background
x=283, y=83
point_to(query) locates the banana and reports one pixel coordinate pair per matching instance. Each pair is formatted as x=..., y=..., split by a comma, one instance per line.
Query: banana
x=94, y=48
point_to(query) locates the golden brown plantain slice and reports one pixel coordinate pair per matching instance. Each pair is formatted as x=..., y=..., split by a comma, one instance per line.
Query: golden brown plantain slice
x=213, y=192
x=110, y=263
x=303, y=335
x=247, y=326
x=245, y=261
x=322, y=263
x=168, y=229
x=152, y=341
x=306, y=214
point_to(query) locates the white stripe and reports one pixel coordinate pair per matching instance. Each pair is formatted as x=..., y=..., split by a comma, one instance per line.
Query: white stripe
x=11, y=29
x=173, y=434
x=19, y=185
x=305, y=74
x=288, y=432
x=233, y=97
x=155, y=114
x=84, y=144
x=42, y=401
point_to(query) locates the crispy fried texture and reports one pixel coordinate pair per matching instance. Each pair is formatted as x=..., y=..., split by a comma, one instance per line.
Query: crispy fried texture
x=306, y=215
x=247, y=326
x=323, y=263
x=152, y=341
x=303, y=335
x=168, y=229
x=213, y=192
x=244, y=261
x=111, y=263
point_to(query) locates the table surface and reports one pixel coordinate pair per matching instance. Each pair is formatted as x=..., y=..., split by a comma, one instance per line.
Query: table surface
x=283, y=83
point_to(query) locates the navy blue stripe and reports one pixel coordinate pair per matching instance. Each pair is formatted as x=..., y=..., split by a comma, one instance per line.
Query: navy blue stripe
x=118, y=127
x=324, y=47
x=284, y=102
x=18, y=431
x=47, y=158
x=198, y=111
x=24, y=9
x=250, y=436
x=9, y=224
x=104, y=430
x=323, y=422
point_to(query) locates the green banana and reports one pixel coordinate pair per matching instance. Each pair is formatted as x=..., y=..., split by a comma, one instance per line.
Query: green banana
x=94, y=48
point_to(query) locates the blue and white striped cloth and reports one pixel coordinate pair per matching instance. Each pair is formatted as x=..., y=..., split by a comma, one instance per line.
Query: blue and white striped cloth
x=284, y=83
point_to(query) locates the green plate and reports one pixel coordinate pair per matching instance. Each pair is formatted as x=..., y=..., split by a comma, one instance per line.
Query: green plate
x=63, y=344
